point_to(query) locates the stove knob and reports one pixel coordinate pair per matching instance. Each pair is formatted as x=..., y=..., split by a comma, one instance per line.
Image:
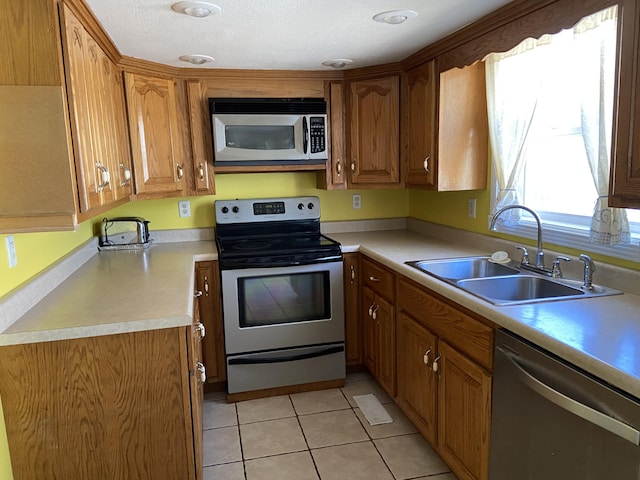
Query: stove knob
x=300, y=206
x=225, y=210
x=310, y=206
x=235, y=209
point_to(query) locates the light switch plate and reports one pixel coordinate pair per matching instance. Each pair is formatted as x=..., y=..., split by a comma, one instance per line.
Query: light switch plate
x=184, y=208
x=11, y=251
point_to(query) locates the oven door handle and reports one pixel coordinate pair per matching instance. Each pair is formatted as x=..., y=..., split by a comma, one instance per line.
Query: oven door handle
x=286, y=358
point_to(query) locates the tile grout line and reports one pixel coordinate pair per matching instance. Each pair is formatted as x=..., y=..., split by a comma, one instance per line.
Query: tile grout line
x=313, y=460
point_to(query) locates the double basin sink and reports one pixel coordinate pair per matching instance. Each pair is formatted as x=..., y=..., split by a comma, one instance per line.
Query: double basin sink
x=505, y=284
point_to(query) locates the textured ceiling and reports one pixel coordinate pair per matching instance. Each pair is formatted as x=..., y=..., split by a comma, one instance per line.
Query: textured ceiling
x=282, y=34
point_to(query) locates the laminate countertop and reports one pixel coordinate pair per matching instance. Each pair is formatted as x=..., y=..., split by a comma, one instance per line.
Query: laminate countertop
x=117, y=292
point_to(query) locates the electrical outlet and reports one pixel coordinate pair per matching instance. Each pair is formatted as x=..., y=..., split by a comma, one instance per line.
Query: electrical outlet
x=471, y=208
x=184, y=208
x=11, y=251
x=356, y=201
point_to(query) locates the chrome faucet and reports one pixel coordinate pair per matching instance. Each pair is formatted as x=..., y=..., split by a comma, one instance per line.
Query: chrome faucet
x=589, y=268
x=540, y=254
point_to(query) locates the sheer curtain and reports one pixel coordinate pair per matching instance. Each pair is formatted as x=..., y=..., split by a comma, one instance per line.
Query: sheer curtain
x=595, y=52
x=514, y=80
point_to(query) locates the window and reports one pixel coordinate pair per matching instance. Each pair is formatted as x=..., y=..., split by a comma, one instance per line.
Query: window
x=550, y=103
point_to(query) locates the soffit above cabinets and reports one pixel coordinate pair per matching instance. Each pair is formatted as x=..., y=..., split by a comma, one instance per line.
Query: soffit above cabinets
x=282, y=34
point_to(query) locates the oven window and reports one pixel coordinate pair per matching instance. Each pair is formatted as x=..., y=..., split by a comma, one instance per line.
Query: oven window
x=260, y=137
x=277, y=299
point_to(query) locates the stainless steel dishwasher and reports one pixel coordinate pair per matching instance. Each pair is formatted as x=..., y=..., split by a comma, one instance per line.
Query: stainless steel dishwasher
x=551, y=421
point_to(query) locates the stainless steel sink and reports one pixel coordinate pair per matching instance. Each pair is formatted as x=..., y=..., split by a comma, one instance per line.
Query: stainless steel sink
x=505, y=284
x=463, y=267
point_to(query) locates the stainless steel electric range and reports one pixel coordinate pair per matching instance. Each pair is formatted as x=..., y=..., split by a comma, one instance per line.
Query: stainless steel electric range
x=282, y=294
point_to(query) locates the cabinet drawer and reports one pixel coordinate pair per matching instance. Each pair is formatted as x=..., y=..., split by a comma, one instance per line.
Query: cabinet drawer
x=470, y=336
x=379, y=279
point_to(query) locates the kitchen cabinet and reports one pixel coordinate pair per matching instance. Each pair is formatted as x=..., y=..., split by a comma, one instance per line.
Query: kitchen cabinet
x=444, y=377
x=445, y=148
x=374, y=123
x=115, y=406
x=98, y=117
x=378, y=322
x=158, y=136
x=334, y=177
x=209, y=303
x=201, y=143
x=624, y=185
x=352, y=325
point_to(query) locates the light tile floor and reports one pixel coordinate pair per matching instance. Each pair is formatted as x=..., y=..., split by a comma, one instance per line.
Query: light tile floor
x=314, y=436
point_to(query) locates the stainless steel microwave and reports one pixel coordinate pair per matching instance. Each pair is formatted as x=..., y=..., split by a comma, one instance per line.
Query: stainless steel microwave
x=268, y=131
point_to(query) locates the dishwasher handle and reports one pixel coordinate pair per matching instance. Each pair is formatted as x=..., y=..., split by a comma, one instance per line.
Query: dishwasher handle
x=585, y=412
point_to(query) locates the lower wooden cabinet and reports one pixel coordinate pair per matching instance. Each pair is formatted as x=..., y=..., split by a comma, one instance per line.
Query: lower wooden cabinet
x=116, y=406
x=209, y=298
x=445, y=390
x=352, y=325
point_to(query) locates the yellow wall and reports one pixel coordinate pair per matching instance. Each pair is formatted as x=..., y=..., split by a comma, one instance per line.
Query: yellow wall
x=37, y=251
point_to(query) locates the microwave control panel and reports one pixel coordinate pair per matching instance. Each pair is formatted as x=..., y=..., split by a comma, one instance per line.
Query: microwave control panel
x=317, y=134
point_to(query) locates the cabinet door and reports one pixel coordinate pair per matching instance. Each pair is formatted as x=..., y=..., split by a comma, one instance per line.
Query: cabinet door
x=624, y=185
x=76, y=57
x=353, y=333
x=416, y=379
x=464, y=414
x=201, y=146
x=419, y=129
x=337, y=172
x=196, y=384
x=374, y=124
x=156, y=136
x=369, y=330
x=209, y=302
x=384, y=317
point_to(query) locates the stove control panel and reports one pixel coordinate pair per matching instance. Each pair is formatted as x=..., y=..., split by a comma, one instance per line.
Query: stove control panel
x=267, y=210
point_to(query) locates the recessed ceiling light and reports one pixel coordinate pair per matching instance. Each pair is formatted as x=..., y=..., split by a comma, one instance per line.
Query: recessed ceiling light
x=196, y=59
x=337, y=63
x=196, y=9
x=395, y=17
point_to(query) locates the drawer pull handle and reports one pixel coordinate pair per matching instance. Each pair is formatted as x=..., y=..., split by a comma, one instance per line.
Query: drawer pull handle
x=206, y=286
x=373, y=279
x=338, y=168
x=353, y=274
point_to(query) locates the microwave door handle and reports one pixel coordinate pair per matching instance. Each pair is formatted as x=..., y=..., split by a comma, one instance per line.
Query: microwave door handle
x=305, y=134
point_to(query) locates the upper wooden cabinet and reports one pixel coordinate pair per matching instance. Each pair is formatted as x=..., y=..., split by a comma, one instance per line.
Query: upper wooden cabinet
x=624, y=186
x=335, y=175
x=98, y=118
x=201, y=144
x=374, y=132
x=445, y=131
x=157, y=125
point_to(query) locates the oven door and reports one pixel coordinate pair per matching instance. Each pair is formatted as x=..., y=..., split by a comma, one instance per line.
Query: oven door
x=282, y=307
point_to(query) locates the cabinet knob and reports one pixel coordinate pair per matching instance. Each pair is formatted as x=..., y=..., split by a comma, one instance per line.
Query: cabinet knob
x=374, y=314
x=373, y=279
x=435, y=364
x=126, y=175
x=338, y=167
x=202, y=371
x=197, y=293
x=179, y=171
x=199, y=327
x=426, y=163
x=104, y=176
x=425, y=357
